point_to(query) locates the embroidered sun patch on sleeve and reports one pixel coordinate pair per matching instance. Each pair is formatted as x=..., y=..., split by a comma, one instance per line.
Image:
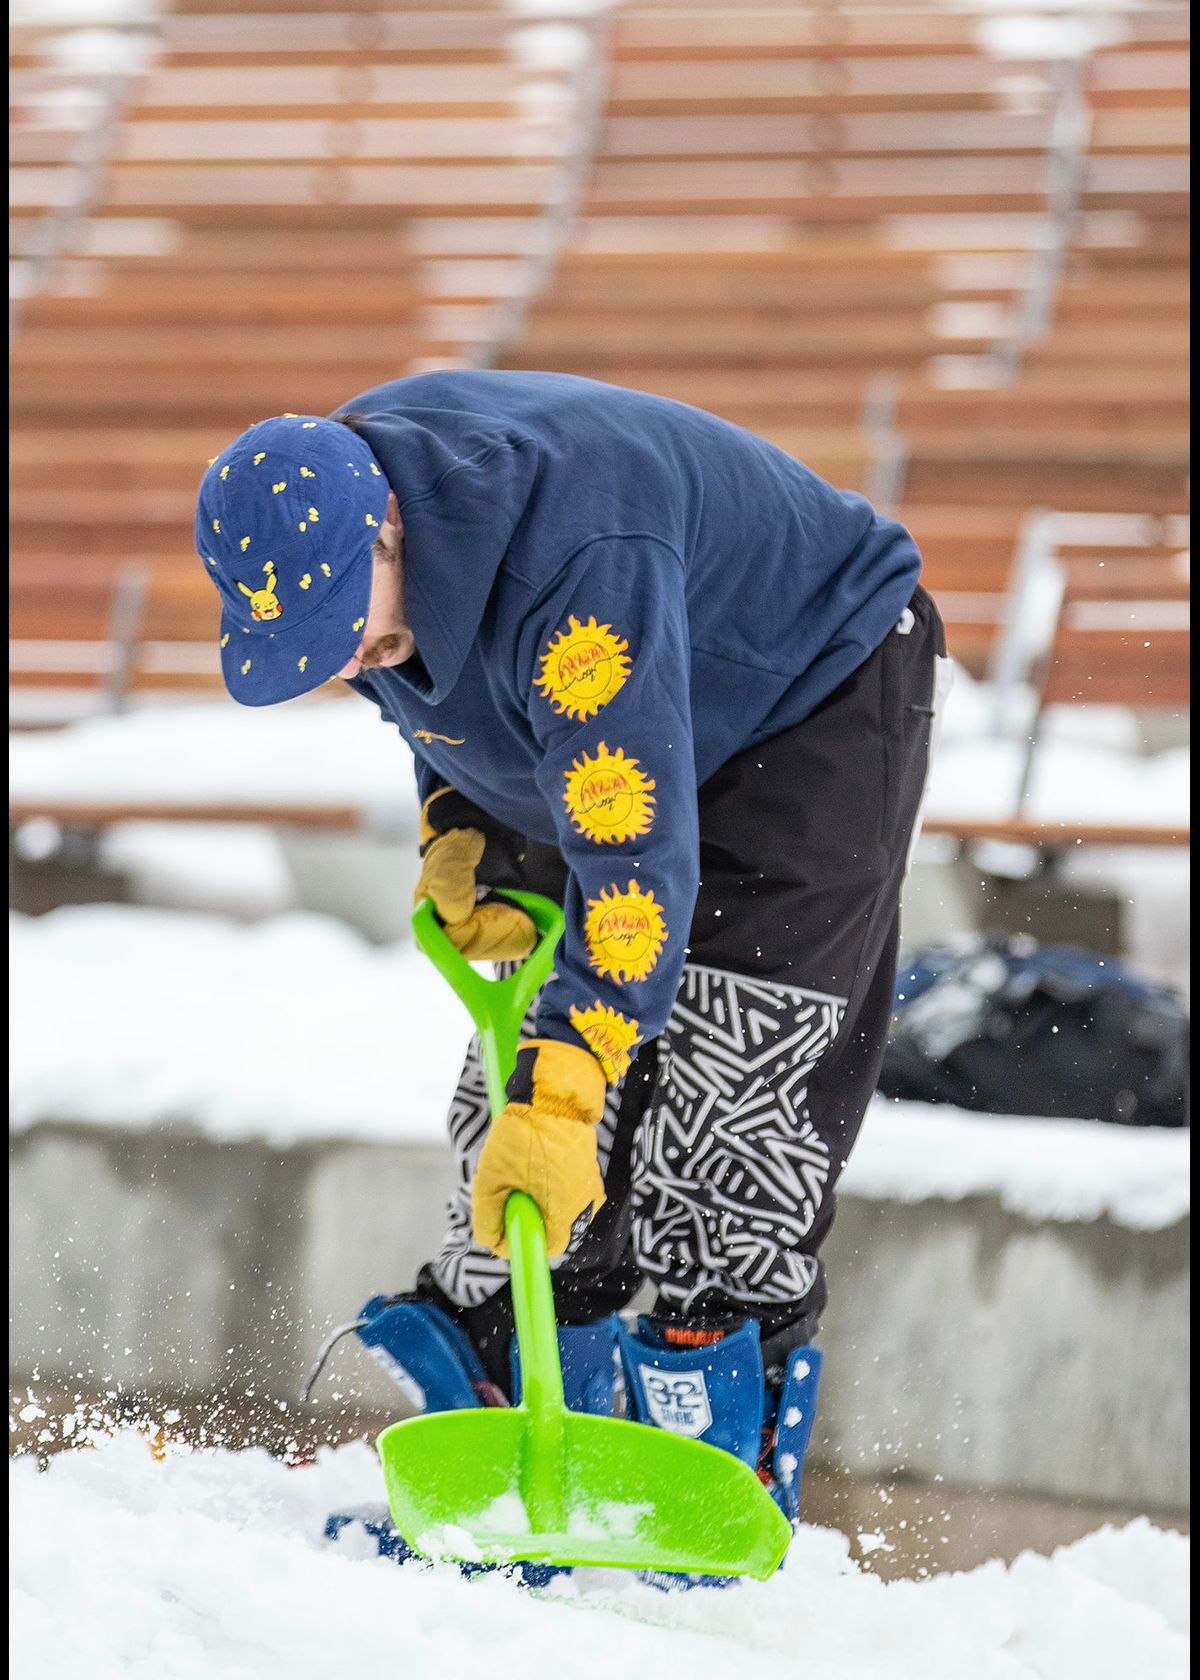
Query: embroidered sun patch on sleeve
x=608, y=1035
x=625, y=932
x=607, y=797
x=583, y=668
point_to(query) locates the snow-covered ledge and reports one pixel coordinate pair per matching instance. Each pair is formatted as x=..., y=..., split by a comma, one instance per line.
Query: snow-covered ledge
x=225, y=1139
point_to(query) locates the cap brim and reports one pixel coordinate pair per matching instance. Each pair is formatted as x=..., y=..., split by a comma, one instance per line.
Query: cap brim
x=261, y=667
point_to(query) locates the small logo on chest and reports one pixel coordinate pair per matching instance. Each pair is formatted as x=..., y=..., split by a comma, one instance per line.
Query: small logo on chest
x=429, y=736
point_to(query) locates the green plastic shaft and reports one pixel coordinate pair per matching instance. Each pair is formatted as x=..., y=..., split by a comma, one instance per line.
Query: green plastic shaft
x=498, y=1007
x=541, y=1368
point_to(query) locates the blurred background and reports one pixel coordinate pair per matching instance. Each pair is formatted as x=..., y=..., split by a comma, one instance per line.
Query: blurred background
x=938, y=252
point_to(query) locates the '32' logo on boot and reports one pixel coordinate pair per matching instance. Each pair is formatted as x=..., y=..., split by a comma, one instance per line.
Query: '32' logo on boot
x=677, y=1400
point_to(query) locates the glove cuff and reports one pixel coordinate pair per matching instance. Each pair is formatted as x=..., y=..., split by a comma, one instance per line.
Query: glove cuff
x=560, y=1079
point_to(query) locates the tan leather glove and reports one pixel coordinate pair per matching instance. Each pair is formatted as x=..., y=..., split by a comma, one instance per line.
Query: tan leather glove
x=543, y=1143
x=495, y=932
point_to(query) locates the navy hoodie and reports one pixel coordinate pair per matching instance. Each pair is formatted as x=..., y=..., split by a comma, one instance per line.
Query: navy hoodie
x=611, y=594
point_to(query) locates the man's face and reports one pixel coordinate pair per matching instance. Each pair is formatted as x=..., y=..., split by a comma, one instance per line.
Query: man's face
x=387, y=639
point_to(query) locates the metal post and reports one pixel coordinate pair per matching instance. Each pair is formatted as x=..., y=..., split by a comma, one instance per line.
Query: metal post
x=889, y=455
x=1030, y=612
x=124, y=625
x=589, y=83
x=1065, y=162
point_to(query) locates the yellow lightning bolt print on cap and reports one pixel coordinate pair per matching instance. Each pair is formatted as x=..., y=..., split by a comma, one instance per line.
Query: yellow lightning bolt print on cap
x=304, y=599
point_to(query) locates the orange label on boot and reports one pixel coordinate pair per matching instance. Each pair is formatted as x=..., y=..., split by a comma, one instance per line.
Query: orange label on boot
x=684, y=1337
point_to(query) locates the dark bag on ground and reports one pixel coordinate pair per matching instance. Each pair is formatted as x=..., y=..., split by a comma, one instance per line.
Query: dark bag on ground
x=1002, y=1025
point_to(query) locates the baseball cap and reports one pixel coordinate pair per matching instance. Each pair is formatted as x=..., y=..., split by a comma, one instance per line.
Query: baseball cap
x=286, y=519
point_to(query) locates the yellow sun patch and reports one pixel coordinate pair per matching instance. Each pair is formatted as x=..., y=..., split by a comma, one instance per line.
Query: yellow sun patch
x=625, y=932
x=583, y=668
x=607, y=797
x=608, y=1035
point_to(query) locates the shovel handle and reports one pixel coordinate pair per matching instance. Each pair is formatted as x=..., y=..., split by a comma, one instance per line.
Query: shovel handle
x=497, y=1007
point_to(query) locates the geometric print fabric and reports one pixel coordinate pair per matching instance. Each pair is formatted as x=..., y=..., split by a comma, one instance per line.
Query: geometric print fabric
x=467, y=1273
x=729, y=1170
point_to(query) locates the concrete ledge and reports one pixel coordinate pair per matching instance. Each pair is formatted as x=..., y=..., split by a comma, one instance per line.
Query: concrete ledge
x=967, y=1342
x=170, y=1260
x=962, y=1341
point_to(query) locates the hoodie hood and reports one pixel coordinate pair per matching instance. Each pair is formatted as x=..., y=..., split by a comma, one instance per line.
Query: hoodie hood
x=462, y=482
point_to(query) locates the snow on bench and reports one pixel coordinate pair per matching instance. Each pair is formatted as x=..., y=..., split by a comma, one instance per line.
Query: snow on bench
x=296, y=1029
x=335, y=763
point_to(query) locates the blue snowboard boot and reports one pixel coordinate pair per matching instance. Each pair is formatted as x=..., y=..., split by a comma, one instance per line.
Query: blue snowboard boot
x=705, y=1379
x=434, y=1365
x=427, y=1356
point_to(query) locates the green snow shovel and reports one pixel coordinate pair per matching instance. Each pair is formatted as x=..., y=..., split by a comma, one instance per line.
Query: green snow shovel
x=536, y=1482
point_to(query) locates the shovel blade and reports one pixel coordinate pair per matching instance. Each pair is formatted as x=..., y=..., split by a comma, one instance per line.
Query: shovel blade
x=624, y=1495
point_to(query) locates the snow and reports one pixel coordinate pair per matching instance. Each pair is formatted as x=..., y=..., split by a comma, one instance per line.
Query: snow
x=1073, y=781
x=322, y=752
x=329, y=751
x=335, y=751
x=209, y=1565
x=296, y=1028
x=1043, y=1169
x=293, y=1028
x=290, y=1028
x=236, y=868
x=1088, y=766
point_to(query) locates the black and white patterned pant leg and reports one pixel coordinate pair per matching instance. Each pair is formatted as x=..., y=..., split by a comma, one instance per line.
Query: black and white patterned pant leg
x=467, y=1273
x=731, y=1169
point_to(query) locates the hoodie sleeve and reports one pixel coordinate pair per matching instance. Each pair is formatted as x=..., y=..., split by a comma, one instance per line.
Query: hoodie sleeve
x=606, y=663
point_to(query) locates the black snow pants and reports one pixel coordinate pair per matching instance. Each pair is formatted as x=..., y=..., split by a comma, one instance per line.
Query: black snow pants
x=721, y=1150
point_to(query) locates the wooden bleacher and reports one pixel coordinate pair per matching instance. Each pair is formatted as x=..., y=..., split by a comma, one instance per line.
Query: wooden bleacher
x=942, y=265
x=786, y=204
x=1121, y=637
x=295, y=203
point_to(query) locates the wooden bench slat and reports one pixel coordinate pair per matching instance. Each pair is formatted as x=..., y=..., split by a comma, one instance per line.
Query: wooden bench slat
x=1055, y=835
x=102, y=814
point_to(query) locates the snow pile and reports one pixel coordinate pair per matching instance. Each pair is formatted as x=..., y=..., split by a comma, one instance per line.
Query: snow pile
x=290, y=1028
x=321, y=752
x=210, y=1564
x=1072, y=781
x=235, y=869
x=1043, y=1169
x=328, y=751
x=1089, y=766
x=296, y=1028
x=336, y=751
